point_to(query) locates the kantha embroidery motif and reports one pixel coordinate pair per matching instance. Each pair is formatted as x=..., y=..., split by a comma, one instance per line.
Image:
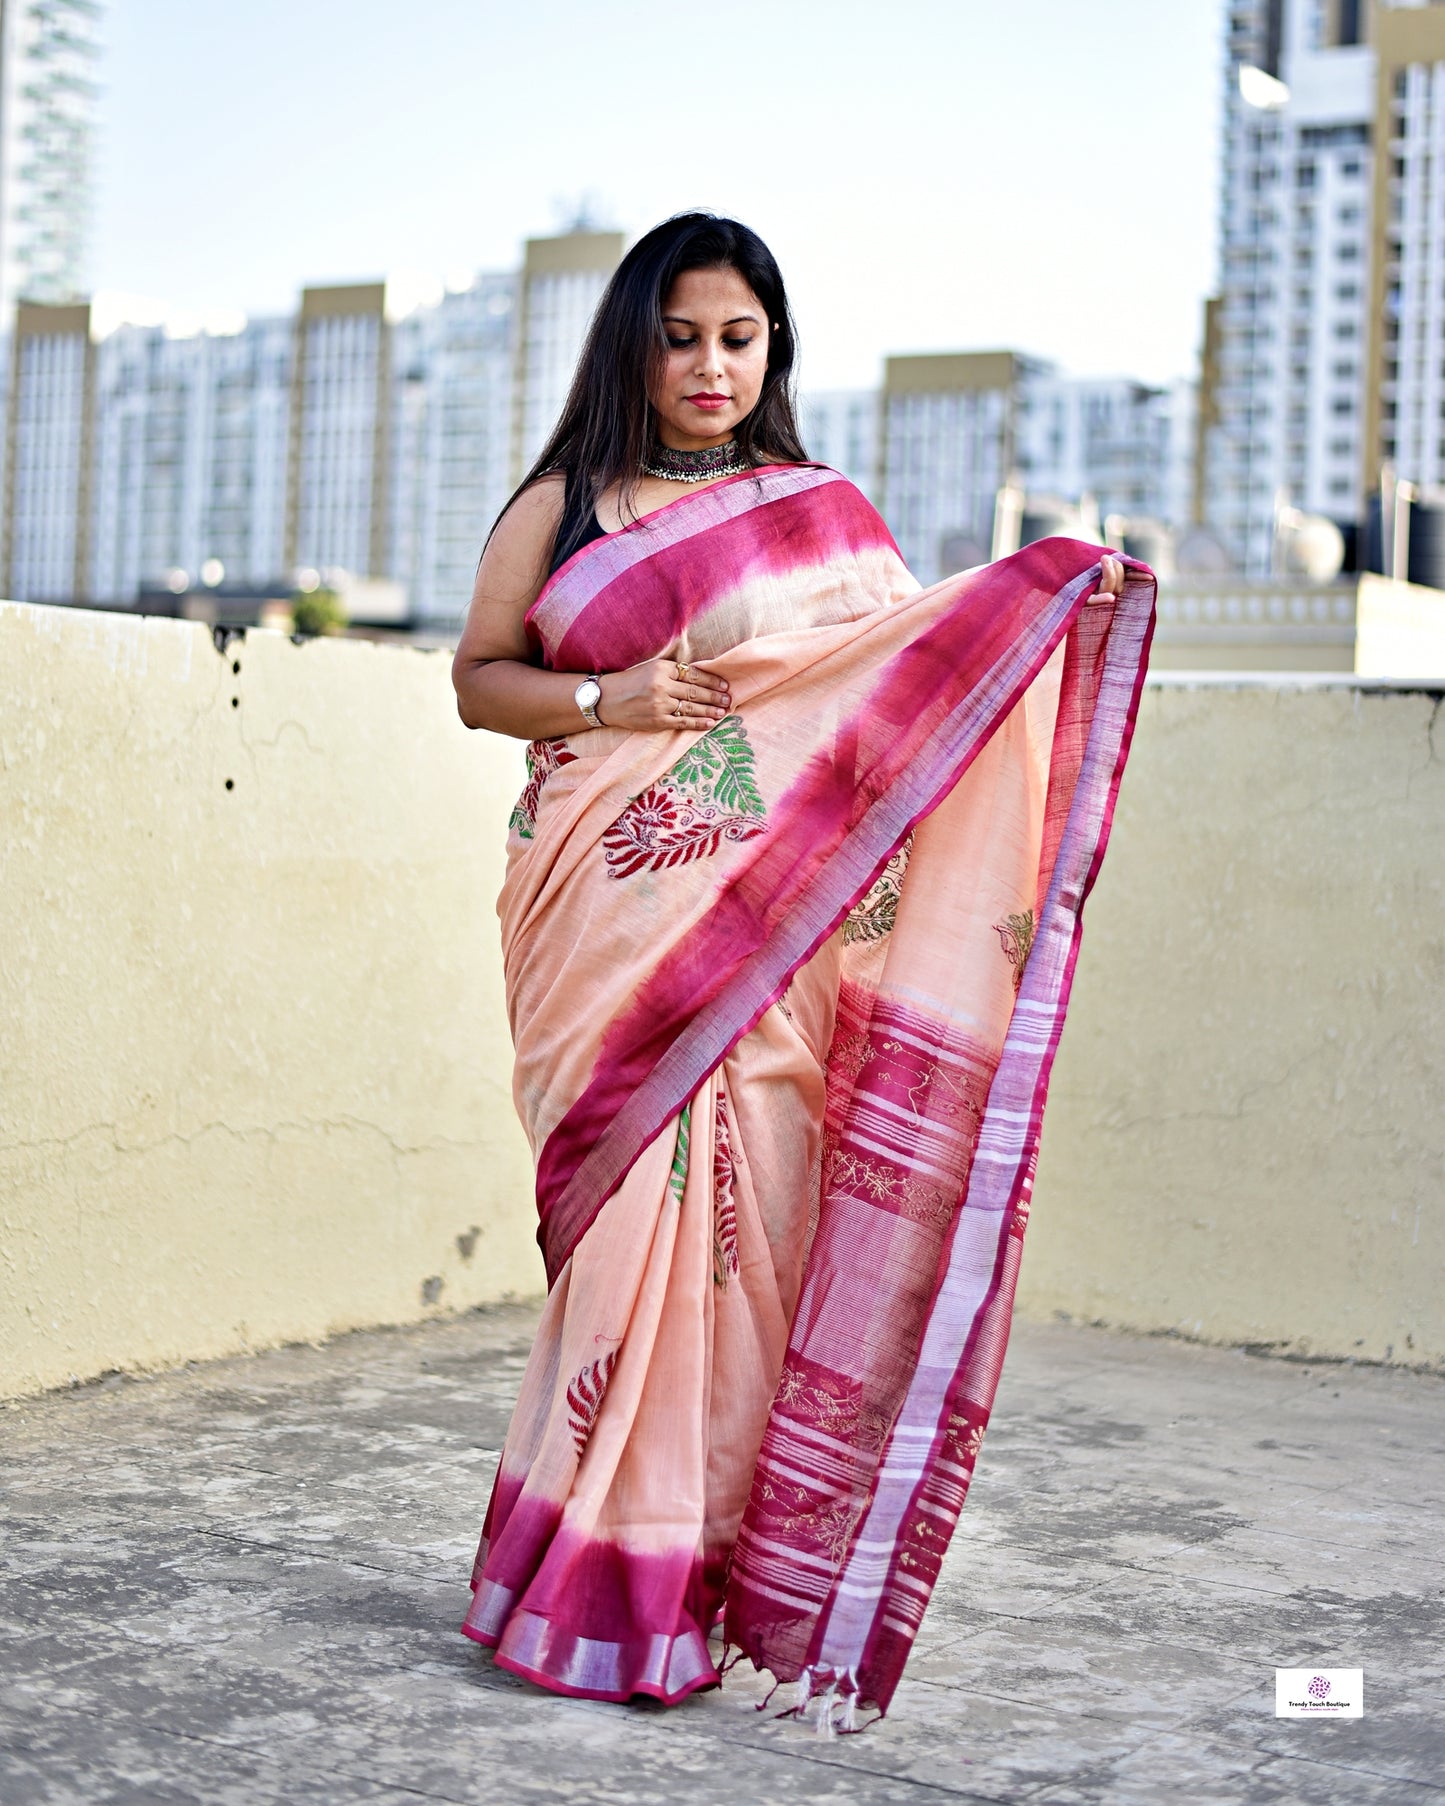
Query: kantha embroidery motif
x=710, y=796
x=875, y=1181
x=725, y=1216
x=543, y=758
x=875, y=912
x=584, y=1398
x=1017, y=934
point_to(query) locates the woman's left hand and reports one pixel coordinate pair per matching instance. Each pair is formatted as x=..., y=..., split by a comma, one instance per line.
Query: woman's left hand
x=1111, y=582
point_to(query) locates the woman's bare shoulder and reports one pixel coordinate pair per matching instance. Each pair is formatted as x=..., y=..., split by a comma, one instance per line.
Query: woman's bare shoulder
x=512, y=572
x=517, y=554
x=529, y=525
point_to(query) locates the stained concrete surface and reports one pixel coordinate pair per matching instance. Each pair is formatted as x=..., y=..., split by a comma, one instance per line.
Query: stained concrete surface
x=239, y=1584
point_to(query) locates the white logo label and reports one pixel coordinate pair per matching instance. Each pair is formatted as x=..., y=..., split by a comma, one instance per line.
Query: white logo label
x=1319, y=1693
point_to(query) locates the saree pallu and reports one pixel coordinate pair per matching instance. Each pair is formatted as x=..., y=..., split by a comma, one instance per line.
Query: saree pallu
x=785, y=997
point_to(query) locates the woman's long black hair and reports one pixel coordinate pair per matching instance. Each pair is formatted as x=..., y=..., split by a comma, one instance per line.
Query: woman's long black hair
x=608, y=425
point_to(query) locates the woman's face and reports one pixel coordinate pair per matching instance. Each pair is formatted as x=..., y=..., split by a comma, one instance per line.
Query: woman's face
x=717, y=356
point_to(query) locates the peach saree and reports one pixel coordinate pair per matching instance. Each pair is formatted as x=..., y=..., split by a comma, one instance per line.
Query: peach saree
x=785, y=999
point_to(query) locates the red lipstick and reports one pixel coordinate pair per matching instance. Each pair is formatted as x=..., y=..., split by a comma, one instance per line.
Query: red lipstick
x=704, y=399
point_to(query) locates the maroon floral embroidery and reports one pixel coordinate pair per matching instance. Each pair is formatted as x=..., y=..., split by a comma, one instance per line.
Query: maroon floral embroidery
x=543, y=758
x=584, y=1398
x=710, y=796
x=725, y=1216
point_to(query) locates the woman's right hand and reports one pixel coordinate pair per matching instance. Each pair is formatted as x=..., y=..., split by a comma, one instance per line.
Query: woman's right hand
x=662, y=696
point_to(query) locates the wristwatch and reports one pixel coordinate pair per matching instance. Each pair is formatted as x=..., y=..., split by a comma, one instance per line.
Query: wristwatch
x=588, y=694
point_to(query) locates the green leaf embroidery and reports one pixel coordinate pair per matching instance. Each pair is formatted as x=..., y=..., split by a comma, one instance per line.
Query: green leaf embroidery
x=677, y=1178
x=721, y=767
x=875, y=913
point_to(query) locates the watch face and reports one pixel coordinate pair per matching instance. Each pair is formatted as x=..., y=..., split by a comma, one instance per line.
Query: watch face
x=588, y=694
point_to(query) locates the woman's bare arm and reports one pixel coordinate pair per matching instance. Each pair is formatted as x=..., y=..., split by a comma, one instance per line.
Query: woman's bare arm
x=499, y=687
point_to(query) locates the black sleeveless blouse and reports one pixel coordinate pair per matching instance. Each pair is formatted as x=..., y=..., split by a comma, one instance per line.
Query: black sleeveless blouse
x=595, y=530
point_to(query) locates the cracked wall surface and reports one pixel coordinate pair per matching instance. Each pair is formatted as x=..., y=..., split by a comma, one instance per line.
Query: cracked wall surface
x=254, y=1061
x=255, y=1069
x=1245, y=1139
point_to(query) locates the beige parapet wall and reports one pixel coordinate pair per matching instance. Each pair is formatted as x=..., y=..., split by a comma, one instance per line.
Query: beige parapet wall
x=254, y=1062
x=1245, y=1139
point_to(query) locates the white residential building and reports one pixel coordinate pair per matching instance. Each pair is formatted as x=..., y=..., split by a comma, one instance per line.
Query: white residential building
x=250, y=375
x=1405, y=360
x=336, y=514
x=1284, y=379
x=1126, y=444
x=840, y=428
x=47, y=468
x=190, y=452
x=451, y=447
x=49, y=55
x=561, y=283
x=949, y=425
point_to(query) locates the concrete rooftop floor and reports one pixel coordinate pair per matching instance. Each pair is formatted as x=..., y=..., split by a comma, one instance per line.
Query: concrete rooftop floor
x=240, y=1583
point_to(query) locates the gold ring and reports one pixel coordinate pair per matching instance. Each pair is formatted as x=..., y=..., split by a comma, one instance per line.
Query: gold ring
x=678, y=711
x=682, y=674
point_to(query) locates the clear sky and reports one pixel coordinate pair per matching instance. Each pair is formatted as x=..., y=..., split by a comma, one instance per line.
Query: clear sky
x=932, y=174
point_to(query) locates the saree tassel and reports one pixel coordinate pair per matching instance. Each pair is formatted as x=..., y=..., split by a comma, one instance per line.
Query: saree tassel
x=799, y=1707
x=848, y=1717
x=824, y=1725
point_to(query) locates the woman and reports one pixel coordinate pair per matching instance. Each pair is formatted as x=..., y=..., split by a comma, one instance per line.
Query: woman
x=789, y=922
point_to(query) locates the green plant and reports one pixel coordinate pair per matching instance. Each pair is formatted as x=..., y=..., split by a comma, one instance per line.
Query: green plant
x=317, y=611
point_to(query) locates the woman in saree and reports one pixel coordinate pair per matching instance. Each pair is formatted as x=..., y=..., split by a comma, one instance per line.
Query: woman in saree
x=789, y=922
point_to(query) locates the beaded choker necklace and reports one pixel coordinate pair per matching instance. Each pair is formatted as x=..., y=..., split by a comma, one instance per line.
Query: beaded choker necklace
x=704, y=466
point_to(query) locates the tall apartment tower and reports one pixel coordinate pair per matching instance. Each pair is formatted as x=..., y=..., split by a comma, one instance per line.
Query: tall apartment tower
x=1283, y=391
x=561, y=282
x=452, y=441
x=49, y=52
x=336, y=494
x=45, y=523
x=1404, y=424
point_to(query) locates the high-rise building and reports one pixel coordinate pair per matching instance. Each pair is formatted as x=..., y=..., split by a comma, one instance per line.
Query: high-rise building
x=336, y=492
x=562, y=280
x=44, y=539
x=1324, y=200
x=949, y=428
x=49, y=53
x=1404, y=397
x=451, y=447
x=247, y=421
